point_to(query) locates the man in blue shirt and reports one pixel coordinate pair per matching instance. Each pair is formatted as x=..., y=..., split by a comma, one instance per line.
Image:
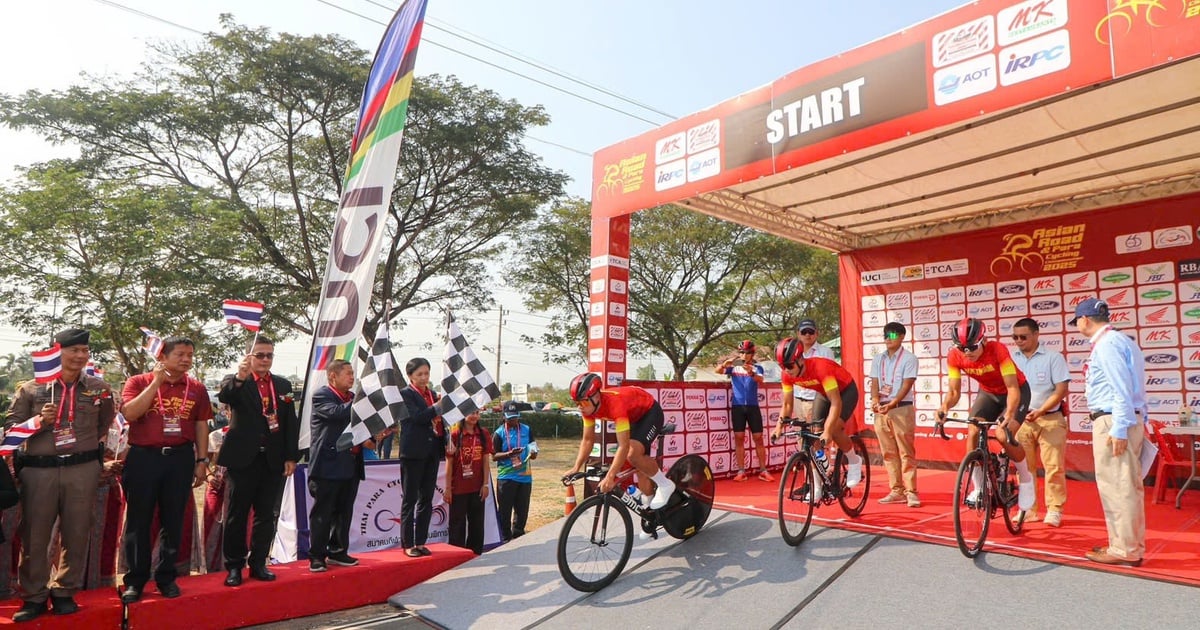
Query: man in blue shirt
x=1114, y=383
x=1045, y=428
x=893, y=373
x=513, y=450
x=744, y=378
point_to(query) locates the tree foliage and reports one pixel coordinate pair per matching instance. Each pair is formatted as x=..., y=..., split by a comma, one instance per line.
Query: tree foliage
x=239, y=145
x=697, y=284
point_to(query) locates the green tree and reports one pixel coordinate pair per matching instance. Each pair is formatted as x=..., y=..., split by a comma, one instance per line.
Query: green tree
x=646, y=372
x=697, y=284
x=15, y=368
x=254, y=129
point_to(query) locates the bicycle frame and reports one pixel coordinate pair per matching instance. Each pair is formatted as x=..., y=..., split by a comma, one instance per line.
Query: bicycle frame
x=809, y=435
x=995, y=495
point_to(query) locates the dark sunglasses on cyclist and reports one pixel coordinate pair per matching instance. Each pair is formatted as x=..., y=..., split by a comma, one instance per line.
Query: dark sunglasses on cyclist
x=970, y=348
x=1020, y=337
x=264, y=355
x=808, y=331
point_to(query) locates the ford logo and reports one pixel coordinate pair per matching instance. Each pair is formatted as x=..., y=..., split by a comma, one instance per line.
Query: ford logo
x=1194, y=380
x=1161, y=358
x=1044, y=305
x=1010, y=289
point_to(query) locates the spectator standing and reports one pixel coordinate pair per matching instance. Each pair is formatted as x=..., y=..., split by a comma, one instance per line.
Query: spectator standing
x=423, y=441
x=59, y=472
x=333, y=475
x=168, y=414
x=893, y=373
x=744, y=378
x=259, y=452
x=468, y=476
x=806, y=333
x=1045, y=428
x=1115, y=386
x=513, y=449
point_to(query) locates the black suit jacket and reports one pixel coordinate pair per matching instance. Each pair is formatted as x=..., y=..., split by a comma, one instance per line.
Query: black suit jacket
x=248, y=426
x=417, y=437
x=330, y=417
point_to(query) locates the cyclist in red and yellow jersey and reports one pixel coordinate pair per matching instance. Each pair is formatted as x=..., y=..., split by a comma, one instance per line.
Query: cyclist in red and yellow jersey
x=837, y=397
x=1003, y=392
x=638, y=420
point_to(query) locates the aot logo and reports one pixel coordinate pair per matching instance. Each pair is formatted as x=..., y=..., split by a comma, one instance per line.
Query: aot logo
x=1035, y=58
x=951, y=295
x=1030, y=19
x=1075, y=361
x=963, y=42
x=669, y=148
x=961, y=81
x=1045, y=306
x=703, y=165
x=670, y=175
x=1012, y=290
x=983, y=310
x=1164, y=402
x=1163, y=358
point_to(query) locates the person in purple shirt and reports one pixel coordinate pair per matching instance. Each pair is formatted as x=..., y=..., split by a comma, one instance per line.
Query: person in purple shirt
x=744, y=376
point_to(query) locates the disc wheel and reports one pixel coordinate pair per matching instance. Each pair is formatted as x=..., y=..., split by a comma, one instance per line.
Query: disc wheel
x=595, y=543
x=691, y=504
x=796, y=500
x=971, y=509
x=854, y=499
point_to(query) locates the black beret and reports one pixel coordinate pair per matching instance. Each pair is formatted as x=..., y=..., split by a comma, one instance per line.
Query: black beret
x=72, y=337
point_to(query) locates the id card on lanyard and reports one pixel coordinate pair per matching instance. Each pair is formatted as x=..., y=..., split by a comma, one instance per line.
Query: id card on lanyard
x=268, y=406
x=172, y=425
x=885, y=388
x=466, y=455
x=64, y=435
x=515, y=459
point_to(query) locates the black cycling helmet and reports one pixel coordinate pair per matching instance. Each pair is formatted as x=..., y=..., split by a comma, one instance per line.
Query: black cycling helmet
x=789, y=352
x=747, y=346
x=584, y=386
x=968, y=334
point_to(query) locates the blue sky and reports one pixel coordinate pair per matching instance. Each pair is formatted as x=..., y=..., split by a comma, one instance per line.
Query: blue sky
x=675, y=56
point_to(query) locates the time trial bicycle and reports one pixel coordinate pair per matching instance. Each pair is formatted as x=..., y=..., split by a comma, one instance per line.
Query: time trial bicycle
x=810, y=466
x=986, y=484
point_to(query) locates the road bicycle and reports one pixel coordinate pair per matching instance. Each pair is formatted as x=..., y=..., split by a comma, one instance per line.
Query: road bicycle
x=796, y=498
x=597, y=538
x=974, y=508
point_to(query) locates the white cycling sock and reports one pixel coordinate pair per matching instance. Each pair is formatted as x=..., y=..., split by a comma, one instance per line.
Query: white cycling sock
x=976, y=479
x=660, y=479
x=1023, y=474
x=853, y=458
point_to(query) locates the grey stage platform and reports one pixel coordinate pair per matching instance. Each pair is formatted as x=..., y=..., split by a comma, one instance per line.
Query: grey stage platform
x=738, y=574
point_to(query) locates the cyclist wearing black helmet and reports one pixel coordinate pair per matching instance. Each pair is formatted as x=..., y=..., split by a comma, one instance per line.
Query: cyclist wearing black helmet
x=1003, y=391
x=744, y=376
x=638, y=420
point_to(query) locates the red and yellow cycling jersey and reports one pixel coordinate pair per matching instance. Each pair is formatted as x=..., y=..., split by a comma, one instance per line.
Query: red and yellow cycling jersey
x=821, y=375
x=623, y=405
x=988, y=370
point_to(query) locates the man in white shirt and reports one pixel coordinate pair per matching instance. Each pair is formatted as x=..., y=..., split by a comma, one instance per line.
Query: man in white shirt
x=806, y=332
x=1045, y=428
x=893, y=373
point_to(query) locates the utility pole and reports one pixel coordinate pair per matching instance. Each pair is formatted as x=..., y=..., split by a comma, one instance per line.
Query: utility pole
x=499, y=334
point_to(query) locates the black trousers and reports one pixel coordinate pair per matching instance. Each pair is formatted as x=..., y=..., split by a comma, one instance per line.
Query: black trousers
x=255, y=486
x=466, y=522
x=418, y=479
x=330, y=516
x=154, y=482
x=512, y=499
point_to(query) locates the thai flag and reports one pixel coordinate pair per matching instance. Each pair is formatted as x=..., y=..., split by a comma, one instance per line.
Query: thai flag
x=47, y=364
x=91, y=370
x=154, y=343
x=248, y=314
x=16, y=436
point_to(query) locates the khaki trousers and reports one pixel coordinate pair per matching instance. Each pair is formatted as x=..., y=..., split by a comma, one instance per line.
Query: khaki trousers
x=1119, y=482
x=895, y=431
x=1048, y=435
x=69, y=495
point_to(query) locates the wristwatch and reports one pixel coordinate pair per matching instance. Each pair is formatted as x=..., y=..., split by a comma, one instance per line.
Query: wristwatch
x=202, y=460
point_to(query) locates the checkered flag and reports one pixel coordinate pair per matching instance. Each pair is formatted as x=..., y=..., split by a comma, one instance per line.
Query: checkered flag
x=467, y=386
x=377, y=401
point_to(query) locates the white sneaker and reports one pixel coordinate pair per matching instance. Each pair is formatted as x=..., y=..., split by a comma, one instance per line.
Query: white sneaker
x=853, y=474
x=662, y=495
x=1026, y=495
x=972, y=499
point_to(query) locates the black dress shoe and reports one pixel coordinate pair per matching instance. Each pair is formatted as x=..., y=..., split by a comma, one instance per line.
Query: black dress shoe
x=131, y=594
x=63, y=605
x=29, y=611
x=234, y=578
x=261, y=573
x=170, y=590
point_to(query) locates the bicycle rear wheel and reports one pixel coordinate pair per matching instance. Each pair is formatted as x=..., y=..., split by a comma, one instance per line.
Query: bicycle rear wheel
x=692, y=502
x=796, y=498
x=854, y=499
x=595, y=543
x=1014, y=517
x=972, y=505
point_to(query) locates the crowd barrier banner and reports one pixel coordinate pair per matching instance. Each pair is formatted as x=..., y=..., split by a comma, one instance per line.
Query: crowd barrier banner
x=376, y=523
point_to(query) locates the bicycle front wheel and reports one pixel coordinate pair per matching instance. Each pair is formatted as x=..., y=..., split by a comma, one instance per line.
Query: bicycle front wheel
x=796, y=499
x=854, y=499
x=595, y=543
x=972, y=504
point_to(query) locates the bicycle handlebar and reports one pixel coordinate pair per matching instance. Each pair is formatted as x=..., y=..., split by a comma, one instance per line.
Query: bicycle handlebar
x=982, y=424
x=571, y=478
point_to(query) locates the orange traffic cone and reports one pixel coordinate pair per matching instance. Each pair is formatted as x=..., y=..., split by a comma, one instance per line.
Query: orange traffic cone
x=570, y=504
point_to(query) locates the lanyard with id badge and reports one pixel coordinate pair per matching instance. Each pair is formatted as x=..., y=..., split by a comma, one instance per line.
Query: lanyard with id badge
x=172, y=425
x=268, y=406
x=64, y=436
x=885, y=387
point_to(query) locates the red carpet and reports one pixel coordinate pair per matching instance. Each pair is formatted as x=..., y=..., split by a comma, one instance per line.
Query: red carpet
x=1172, y=536
x=207, y=603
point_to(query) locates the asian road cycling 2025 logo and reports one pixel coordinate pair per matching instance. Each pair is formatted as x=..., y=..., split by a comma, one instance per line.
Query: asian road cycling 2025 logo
x=1046, y=249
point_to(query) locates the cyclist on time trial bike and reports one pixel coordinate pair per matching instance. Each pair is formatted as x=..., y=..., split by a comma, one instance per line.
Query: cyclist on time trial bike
x=837, y=397
x=638, y=420
x=1003, y=392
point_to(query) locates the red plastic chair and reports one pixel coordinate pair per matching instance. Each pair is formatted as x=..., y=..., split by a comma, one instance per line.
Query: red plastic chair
x=1172, y=457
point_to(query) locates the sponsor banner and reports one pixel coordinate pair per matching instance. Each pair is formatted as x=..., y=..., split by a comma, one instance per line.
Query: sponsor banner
x=982, y=310
x=879, y=276
x=1030, y=19
x=1118, y=298
x=899, y=300
x=1012, y=289
x=1050, y=285
x=929, y=367
x=902, y=316
x=1188, y=269
x=952, y=312
x=1122, y=318
x=963, y=41
x=1176, y=236
x=1190, y=335
x=1156, y=294
x=1155, y=272
x=964, y=80
x=1162, y=358
x=874, y=319
x=1085, y=281
x=981, y=292
x=925, y=332
x=1051, y=343
x=1035, y=58
x=718, y=420
x=1189, y=291
x=1117, y=277
x=694, y=398
x=1163, y=381
x=873, y=303
x=1133, y=243
x=924, y=298
x=1189, y=313
x=1191, y=380
x=718, y=398
x=1157, y=315
x=1045, y=304
x=952, y=295
x=1013, y=308
x=1158, y=337
x=1049, y=323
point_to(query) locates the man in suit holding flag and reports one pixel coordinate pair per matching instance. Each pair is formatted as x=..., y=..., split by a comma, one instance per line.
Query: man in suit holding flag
x=59, y=472
x=333, y=474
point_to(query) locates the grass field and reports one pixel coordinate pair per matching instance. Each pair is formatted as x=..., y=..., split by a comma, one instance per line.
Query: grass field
x=555, y=457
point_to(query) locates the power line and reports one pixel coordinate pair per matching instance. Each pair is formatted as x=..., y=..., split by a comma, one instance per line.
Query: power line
x=149, y=16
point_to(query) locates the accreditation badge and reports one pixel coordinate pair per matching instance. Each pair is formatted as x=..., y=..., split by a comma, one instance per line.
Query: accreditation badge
x=273, y=422
x=64, y=436
x=172, y=426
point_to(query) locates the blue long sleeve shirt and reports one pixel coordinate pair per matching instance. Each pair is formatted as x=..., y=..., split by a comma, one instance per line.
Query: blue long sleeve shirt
x=1115, y=380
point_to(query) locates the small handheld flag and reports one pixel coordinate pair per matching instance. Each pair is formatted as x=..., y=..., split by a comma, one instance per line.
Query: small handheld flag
x=91, y=370
x=154, y=343
x=247, y=314
x=47, y=364
x=17, y=434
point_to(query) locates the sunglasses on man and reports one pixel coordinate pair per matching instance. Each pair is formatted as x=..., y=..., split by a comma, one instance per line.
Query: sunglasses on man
x=263, y=356
x=971, y=348
x=808, y=331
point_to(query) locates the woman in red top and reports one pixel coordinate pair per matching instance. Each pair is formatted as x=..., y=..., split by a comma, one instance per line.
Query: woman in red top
x=468, y=482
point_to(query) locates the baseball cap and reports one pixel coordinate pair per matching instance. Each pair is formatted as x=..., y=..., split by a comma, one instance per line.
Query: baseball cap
x=806, y=323
x=1091, y=307
x=511, y=411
